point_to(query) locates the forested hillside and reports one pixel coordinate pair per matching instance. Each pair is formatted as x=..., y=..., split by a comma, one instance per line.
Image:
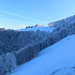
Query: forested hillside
x=11, y=40
x=24, y=45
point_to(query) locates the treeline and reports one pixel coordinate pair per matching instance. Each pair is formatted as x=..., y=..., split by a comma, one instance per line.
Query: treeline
x=11, y=40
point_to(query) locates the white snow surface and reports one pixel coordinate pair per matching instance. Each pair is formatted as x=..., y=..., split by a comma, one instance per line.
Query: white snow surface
x=58, y=59
x=47, y=29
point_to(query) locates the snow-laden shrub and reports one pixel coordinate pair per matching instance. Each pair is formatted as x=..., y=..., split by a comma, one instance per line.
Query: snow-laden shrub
x=56, y=37
x=27, y=53
x=7, y=63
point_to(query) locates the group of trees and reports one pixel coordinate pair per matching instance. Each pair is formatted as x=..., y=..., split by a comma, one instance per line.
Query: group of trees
x=11, y=40
x=29, y=26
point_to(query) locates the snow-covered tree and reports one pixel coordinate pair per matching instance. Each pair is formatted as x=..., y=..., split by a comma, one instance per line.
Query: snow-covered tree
x=7, y=63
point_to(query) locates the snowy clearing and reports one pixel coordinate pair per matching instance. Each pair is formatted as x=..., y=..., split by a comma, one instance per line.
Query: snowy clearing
x=48, y=29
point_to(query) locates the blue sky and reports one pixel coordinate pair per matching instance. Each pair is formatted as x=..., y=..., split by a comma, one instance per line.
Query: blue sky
x=20, y=13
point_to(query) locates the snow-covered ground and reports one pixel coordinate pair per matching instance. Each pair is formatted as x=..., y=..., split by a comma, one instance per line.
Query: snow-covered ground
x=58, y=59
x=48, y=29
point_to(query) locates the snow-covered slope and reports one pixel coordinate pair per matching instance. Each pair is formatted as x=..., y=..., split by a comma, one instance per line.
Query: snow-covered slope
x=48, y=29
x=58, y=59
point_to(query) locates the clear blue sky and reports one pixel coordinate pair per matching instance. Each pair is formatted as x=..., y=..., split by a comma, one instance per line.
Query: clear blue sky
x=20, y=13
